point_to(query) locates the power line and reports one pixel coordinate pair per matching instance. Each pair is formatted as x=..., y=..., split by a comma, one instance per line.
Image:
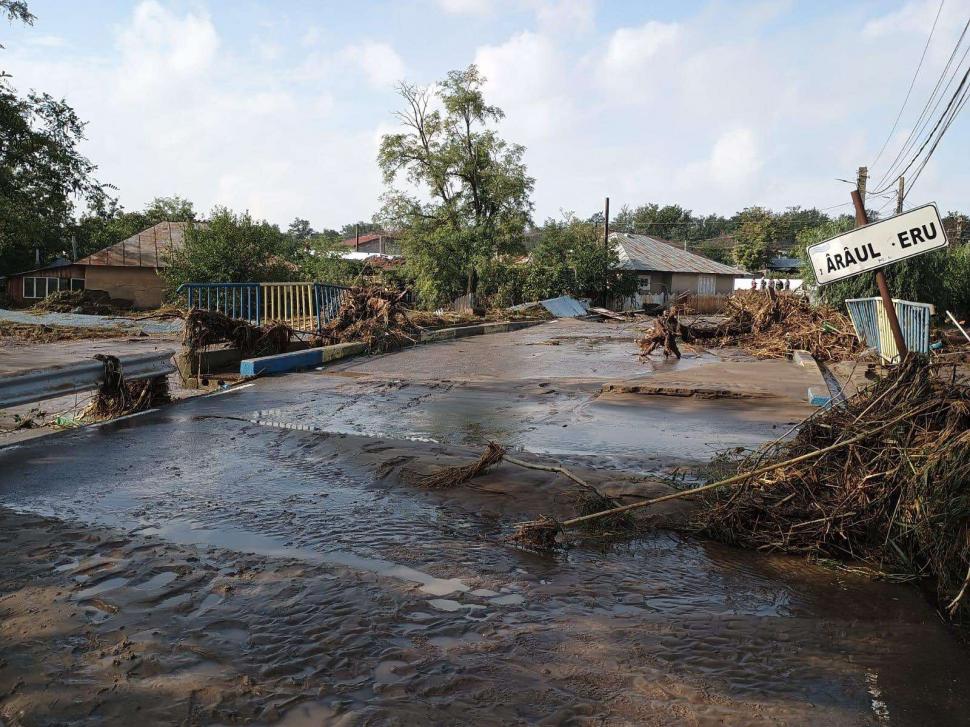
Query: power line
x=954, y=105
x=911, y=84
x=927, y=112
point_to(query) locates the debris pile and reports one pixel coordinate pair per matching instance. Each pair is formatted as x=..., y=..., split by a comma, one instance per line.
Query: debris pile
x=448, y=477
x=91, y=302
x=890, y=487
x=204, y=328
x=374, y=316
x=118, y=397
x=772, y=325
x=664, y=333
x=43, y=333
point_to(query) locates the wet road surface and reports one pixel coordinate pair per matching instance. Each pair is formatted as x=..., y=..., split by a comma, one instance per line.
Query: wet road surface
x=259, y=555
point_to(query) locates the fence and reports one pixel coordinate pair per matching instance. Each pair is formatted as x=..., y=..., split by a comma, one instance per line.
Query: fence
x=705, y=304
x=872, y=325
x=303, y=306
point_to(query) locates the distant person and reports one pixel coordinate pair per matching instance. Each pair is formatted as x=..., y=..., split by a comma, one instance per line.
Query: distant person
x=764, y=284
x=754, y=284
x=778, y=284
x=787, y=283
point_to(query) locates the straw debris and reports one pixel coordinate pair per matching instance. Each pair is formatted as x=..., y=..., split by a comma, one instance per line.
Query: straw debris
x=772, y=325
x=449, y=477
x=118, y=397
x=897, y=499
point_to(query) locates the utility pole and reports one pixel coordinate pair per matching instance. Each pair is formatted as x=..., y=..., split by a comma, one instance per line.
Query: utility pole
x=357, y=237
x=861, y=220
x=861, y=183
x=606, y=247
x=900, y=193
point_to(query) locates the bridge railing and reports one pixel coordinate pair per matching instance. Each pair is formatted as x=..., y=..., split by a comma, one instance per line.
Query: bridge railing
x=303, y=306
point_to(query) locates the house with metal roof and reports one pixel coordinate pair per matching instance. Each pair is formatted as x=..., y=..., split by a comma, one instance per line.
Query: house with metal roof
x=664, y=269
x=127, y=270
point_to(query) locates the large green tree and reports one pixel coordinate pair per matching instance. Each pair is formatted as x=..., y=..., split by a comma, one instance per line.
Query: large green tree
x=755, y=238
x=230, y=248
x=42, y=171
x=468, y=193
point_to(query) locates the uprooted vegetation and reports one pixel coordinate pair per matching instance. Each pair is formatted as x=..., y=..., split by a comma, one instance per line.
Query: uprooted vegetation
x=41, y=333
x=771, y=325
x=373, y=316
x=205, y=328
x=896, y=498
x=91, y=302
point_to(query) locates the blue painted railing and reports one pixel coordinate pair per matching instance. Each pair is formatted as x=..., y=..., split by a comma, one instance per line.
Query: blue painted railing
x=300, y=305
x=872, y=325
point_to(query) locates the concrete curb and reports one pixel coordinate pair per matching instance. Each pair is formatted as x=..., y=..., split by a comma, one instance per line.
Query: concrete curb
x=818, y=395
x=296, y=360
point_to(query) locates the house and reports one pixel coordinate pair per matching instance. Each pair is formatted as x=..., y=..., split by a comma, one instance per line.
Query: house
x=384, y=243
x=785, y=265
x=127, y=270
x=666, y=270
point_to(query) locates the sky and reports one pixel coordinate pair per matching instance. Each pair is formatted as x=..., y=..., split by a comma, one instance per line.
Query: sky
x=279, y=107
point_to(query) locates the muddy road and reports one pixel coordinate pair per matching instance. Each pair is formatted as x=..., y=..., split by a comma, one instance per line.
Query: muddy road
x=261, y=555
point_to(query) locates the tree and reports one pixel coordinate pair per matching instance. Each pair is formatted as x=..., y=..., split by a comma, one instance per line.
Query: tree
x=571, y=259
x=229, y=248
x=670, y=222
x=755, y=238
x=470, y=192
x=42, y=171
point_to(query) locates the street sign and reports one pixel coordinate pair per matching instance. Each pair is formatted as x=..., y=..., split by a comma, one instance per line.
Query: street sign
x=878, y=244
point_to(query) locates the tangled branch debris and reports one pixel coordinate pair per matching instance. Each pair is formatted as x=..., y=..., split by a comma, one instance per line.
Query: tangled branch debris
x=118, y=397
x=204, y=328
x=448, y=477
x=665, y=330
x=374, y=316
x=772, y=325
x=896, y=498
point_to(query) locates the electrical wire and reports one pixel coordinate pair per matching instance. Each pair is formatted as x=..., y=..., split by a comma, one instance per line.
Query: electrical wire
x=910, y=89
x=926, y=114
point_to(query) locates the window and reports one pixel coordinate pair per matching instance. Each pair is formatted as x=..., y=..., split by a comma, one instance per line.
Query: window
x=643, y=284
x=706, y=285
x=42, y=287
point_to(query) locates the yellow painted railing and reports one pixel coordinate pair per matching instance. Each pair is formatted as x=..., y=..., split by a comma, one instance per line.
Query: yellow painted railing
x=289, y=303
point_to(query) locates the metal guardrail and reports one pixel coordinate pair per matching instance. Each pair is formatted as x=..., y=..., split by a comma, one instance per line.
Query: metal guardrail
x=31, y=386
x=304, y=306
x=872, y=325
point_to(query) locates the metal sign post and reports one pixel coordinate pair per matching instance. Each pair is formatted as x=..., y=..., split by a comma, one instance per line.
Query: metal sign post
x=861, y=220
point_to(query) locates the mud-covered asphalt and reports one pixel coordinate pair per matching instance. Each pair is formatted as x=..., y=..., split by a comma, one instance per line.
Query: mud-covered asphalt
x=263, y=556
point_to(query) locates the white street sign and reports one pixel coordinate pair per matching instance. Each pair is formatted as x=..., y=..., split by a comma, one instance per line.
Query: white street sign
x=878, y=244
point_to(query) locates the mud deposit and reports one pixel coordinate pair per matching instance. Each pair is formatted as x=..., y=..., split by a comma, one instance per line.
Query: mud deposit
x=260, y=556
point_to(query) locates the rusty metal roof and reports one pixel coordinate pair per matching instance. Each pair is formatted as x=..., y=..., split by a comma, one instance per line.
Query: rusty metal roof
x=640, y=252
x=147, y=249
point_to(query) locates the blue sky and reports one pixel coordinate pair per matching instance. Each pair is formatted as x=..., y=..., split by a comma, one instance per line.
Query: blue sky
x=278, y=107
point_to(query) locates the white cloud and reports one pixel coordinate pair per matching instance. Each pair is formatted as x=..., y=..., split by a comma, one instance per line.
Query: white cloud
x=573, y=17
x=527, y=77
x=466, y=7
x=734, y=158
x=379, y=62
x=631, y=49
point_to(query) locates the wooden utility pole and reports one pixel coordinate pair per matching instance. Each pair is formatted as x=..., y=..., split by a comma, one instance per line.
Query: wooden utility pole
x=900, y=193
x=861, y=220
x=357, y=237
x=861, y=183
x=606, y=247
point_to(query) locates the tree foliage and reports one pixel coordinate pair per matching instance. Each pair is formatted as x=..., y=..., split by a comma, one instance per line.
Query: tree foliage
x=755, y=238
x=230, y=248
x=42, y=171
x=468, y=198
